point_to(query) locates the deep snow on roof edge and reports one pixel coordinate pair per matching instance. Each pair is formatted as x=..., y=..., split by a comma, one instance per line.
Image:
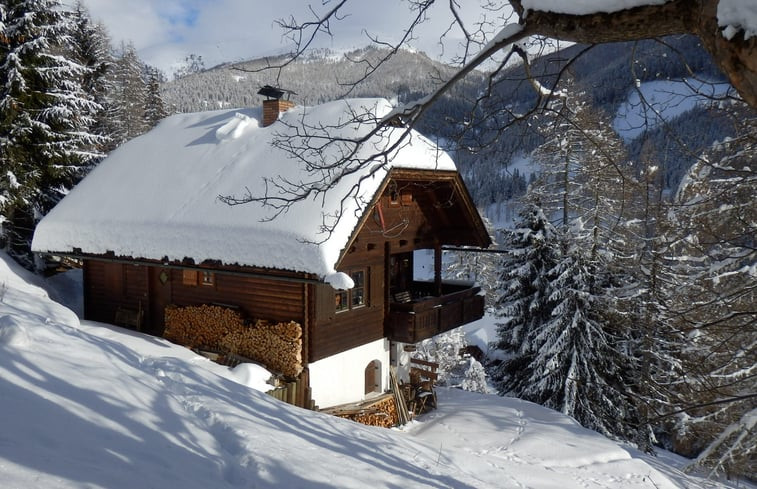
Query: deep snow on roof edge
x=156, y=196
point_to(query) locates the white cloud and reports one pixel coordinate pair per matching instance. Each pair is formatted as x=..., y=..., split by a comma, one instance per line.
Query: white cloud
x=166, y=31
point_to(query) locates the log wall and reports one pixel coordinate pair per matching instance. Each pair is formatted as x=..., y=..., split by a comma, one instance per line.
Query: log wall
x=334, y=332
x=272, y=300
x=109, y=285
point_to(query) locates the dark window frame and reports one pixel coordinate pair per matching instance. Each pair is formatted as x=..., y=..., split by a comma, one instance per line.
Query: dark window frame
x=357, y=296
x=207, y=278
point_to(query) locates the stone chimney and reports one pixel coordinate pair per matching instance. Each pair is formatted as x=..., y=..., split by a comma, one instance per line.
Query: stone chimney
x=272, y=109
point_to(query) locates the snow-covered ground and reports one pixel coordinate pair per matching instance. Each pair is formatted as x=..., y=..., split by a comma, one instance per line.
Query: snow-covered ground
x=87, y=405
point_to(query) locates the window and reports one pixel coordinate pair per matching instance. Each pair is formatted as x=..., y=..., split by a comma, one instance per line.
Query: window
x=358, y=291
x=354, y=297
x=208, y=278
x=342, y=301
x=394, y=198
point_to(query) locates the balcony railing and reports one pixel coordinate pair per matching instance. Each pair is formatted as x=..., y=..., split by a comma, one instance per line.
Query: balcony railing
x=426, y=315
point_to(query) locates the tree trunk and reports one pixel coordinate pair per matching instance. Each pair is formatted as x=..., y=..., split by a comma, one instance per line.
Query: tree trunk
x=737, y=57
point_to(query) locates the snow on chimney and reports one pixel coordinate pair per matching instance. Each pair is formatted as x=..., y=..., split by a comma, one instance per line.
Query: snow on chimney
x=274, y=105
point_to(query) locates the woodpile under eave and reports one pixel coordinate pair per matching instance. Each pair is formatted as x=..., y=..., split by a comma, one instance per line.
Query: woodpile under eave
x=277, y=346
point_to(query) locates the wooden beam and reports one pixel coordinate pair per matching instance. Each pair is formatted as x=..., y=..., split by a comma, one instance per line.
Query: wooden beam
x=438, y=268
x=425, y=363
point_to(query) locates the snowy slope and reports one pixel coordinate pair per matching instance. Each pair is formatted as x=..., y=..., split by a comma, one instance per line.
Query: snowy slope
x=656, y=101
x=89, y=405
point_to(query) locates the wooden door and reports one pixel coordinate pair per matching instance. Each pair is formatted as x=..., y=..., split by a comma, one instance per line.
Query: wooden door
x=373, y=377
x=160, y=297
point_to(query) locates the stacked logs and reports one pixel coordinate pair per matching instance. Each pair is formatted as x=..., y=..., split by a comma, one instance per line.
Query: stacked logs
x=381, y=413
x=201, y=326
x=278, y=346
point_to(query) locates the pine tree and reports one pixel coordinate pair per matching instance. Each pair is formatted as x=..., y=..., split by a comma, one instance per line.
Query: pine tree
x=44, y=117
x=573, y=356
x=155, y=109
x=584, y=182
x=193, y=64
x=90, y=47
x=580, y=365
x=532, y=251
x=127, y=96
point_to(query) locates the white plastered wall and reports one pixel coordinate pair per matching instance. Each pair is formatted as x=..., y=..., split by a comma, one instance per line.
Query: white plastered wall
x=401, y=360
x=340, y=378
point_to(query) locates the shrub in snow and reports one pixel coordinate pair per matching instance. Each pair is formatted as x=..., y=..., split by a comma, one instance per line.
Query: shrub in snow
x=456, y=368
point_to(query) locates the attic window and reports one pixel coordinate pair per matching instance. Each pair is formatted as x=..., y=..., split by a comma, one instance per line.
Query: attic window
x=394, y=194
x=208, y=278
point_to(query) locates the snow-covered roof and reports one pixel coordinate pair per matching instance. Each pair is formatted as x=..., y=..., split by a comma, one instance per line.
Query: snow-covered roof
x=156, y=196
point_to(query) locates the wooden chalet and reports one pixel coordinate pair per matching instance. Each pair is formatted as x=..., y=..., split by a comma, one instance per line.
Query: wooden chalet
x=151, y=237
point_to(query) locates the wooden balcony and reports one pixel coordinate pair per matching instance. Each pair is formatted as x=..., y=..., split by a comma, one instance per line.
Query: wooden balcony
x=426, y=315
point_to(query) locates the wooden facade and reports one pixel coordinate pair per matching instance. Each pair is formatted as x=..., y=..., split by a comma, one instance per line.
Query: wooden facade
x=413, y=210
x=110, y=284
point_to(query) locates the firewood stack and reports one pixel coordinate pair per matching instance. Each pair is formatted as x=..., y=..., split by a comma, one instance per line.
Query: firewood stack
x=278, y=346
x=380, y=412
x=201, y=326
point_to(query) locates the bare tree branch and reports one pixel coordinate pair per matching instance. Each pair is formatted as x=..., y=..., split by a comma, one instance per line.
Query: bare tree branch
x=303, y=35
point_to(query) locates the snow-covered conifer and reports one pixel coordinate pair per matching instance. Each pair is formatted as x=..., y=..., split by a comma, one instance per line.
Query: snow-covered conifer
x=563, y=348
x=45, y=116
x=532, y=251
x=456, y=368
x=155, y=109
x=90, y=46
x=127, y=96
x=579, y=365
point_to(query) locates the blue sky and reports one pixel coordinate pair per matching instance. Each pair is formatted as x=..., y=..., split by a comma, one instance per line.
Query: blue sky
x=166, y=31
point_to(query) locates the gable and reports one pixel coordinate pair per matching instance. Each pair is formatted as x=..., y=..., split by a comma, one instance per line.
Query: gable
x=417, y=209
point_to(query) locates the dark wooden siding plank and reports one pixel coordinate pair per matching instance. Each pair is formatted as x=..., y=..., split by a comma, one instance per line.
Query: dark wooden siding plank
x=272, y=300
x=348, y=330
x=257, y=298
